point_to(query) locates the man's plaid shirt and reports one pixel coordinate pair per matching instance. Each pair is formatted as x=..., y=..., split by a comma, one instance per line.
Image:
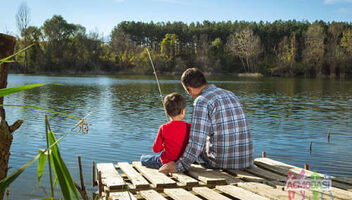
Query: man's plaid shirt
x=219, y=132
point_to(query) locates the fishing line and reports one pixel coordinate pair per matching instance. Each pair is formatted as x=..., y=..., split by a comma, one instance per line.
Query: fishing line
x=157, y=81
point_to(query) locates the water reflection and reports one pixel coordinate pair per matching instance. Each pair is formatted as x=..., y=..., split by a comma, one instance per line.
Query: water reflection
x=284, y=116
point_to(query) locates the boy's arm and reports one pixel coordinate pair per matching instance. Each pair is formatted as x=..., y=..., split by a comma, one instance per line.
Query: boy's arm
x=158, y=143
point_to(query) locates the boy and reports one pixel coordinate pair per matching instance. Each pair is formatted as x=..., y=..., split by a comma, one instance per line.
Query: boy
x=173, y=136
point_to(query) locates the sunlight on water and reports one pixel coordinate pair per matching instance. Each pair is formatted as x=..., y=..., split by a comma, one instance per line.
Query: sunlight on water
x=284, y=115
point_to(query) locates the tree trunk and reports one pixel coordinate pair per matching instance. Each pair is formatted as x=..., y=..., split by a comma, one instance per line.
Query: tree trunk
x=7, y=44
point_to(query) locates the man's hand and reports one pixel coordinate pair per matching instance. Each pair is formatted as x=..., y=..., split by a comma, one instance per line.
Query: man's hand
x=169, y=167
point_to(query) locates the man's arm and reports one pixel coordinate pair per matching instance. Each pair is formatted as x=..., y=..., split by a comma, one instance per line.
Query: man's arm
x=198, y=135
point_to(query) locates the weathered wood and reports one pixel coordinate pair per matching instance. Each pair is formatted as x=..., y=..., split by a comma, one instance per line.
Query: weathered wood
x=243, y=175
x=238, y=193
x=283, y=168
x=110, y=177
x=151, y=195
x=121, y=196
x=137, y=180
x=210, y=176
x=339, y=193
x=266, y=174
x=184, y=179
x=180, y=194
x=344, y=180
x=266, y=191
x=7, y=44
x=94, y=182
x=159, y=180
x=209, y=193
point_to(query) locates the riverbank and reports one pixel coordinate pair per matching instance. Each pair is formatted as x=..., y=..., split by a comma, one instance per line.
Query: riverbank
x=177, y=75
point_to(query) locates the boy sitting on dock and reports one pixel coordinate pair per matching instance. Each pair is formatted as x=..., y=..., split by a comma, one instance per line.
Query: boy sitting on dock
x=173, y=136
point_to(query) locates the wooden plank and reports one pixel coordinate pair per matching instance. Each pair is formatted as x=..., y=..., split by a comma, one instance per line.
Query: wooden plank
x=344, y=180
x=209, y=193
x=267, y=191
x=180, y=194
x=158, y=179
x=110, y=177
x=210, y=176
x=266, y=174
x=184, y=179
x=243, y=175
x=238, y=193
x=121, y=196
x=137, y=180
x=151, y=195
x=339, y=193
x=283, y=168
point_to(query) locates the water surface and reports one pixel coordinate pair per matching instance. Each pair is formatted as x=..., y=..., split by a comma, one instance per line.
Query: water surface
x=284, y=115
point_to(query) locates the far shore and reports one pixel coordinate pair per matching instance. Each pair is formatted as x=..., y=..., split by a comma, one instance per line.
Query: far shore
x=129, y=73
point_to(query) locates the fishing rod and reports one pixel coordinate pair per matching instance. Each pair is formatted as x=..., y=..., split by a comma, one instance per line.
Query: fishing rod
x=157, y=81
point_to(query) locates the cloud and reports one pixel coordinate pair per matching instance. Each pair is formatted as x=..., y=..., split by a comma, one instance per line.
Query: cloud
x=336, y=1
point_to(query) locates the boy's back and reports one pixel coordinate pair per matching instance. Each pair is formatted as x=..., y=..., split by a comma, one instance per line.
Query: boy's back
x=172, y=139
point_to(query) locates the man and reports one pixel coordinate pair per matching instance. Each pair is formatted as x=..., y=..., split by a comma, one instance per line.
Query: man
x=219, y=133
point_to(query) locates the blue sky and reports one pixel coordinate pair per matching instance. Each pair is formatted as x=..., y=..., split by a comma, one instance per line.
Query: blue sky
x=102, y=15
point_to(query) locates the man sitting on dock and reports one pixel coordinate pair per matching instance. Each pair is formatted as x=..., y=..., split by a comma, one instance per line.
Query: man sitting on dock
x=219, y=133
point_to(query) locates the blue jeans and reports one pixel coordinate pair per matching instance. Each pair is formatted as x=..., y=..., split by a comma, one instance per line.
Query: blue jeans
x=152, y=161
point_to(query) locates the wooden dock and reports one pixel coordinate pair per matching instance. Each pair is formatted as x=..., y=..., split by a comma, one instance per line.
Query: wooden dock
x=266, y=180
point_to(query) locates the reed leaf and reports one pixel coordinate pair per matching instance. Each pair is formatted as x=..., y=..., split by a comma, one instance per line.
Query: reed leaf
x=7, y=91
x=66, y=182
x=9, y=179
x=41, y=164
x=7, y=59
x=4, y=183
x=38, y=108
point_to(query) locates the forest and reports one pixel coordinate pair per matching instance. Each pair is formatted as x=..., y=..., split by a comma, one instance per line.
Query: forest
x=279, y=48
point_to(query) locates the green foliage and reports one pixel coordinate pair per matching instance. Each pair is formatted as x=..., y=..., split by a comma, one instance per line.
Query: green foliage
x=231, y=46
x=8, y=91
x=346, y=41
x=62, y=174
x=66, y=182
x=170, y=46
x=41, y=164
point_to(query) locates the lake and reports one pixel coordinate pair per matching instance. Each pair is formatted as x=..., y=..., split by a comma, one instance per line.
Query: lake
x=284, y=116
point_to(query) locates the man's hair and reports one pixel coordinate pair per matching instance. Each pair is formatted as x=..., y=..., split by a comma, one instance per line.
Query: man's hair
x=193, y=77
x=174, y=103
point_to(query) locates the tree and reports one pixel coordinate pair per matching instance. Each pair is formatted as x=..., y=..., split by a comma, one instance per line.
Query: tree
x=334, y=54
x=346, y=45
x=247, y=47
x=23, y=19
x=59, y=34
x=286, y=54
x=7, y=44
x=314, y=49
x=123, y=47
x=170, y=46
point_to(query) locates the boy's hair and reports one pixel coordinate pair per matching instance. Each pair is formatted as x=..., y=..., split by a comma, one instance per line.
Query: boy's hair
x=174, y=103
x=193, y=77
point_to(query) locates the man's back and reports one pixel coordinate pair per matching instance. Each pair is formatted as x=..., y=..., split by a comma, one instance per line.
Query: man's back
x=228, y=144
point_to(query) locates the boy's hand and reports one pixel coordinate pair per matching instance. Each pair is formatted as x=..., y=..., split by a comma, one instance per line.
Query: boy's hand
x=169, y=167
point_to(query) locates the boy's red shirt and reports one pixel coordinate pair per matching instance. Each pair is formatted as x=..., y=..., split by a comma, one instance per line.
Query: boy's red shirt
x=172, y=139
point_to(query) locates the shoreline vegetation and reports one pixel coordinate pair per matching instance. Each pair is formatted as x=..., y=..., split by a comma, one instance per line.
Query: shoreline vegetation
x=246, y=49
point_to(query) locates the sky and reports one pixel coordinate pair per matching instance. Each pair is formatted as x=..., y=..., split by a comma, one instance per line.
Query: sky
x=101, y=16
